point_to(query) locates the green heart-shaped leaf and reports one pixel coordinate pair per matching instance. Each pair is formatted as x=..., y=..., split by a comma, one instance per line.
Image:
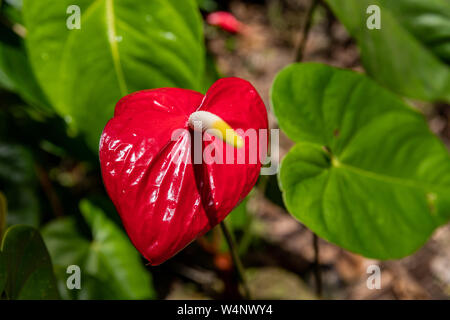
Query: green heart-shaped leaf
x=366, y=174
x=28, y=266
x=411, y=52
x=122, y=46
x=111, y=268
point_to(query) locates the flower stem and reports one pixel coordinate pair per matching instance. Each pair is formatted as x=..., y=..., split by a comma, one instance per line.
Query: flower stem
x=236, y=260
x=317, y=272
x=298, y=58
x=305, y=30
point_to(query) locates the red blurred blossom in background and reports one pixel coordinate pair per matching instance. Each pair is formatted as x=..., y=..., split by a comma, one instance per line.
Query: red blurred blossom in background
x=226, y=21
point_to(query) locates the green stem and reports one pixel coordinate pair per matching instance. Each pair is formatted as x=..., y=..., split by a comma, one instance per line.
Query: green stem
x=237, y=261
x=299, y=57
x=305, y=30
x=317, y=272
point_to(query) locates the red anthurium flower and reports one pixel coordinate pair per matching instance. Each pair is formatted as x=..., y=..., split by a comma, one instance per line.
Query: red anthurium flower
x=147, y=154
x=224, y=20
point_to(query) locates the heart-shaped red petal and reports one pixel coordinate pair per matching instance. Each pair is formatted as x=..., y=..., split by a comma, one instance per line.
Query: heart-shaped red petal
x=166, y=203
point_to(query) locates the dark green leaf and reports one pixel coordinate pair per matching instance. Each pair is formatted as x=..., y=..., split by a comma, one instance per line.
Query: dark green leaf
x=239, y=217
x=12, y=9
x=122, y=46
x=207, y=5
x=29, y=268
x=15, y=70
x=18, y=182
x=411, y=51
x=3, y=210
x=111, y=268
x=366, y=173
x=239, y=223
x=18, y=77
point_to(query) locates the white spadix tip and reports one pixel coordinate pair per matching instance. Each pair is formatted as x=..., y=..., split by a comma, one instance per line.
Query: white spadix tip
x=204, y=120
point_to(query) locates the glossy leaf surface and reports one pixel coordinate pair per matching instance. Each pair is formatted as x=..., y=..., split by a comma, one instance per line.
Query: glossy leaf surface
x=28, y=266
x=410, y=53
x=122, y=46
x=110, y=267
x=366, y=174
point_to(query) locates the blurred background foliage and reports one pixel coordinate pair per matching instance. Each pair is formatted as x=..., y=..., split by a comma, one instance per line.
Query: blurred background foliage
x=49, y=172
x=58, y=87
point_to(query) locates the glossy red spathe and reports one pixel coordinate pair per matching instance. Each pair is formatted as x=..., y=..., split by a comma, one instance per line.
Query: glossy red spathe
x=165, y=204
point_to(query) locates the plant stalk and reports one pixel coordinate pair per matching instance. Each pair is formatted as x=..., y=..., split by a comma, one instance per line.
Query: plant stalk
x=236, y=260
x=317, y=272
x=298, y=58
x=305, y=30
